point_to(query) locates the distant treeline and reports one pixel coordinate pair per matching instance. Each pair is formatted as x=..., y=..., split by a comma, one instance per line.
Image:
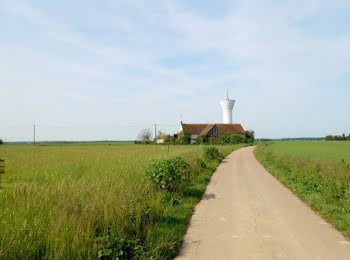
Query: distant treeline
x=337, y=137
x=292, y=139
x=327, y=138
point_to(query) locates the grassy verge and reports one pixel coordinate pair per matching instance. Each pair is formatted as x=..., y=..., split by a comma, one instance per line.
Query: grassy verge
x=83, y=202
x=323, y=185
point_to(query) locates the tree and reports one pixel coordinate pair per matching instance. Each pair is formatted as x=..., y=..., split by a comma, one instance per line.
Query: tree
x=250, y=136
x=145, y=136
x=1, y=142
x=184, y=137
x=168, y=140
x=329, y=138
x=337, y=137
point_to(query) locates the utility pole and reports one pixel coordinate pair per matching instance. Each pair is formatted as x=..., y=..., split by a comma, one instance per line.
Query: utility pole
x=155, y=131
x=34, y=134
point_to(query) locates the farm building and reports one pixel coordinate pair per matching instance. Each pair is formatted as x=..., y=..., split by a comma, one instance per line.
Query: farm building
x=161, y=138
x=211, y=131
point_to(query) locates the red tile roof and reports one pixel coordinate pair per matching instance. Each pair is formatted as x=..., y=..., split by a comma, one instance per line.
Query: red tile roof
x=164, y=136
x=194, y=129
x=202, y=129
x=231, y=128
x=206, y=129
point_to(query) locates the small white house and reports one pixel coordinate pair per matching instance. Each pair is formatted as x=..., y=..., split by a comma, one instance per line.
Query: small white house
x=161, y=138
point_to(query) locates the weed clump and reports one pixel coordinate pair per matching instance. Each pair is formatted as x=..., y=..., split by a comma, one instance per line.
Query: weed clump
x=212, y=153
x=167, y=174
x=199, y=162
x=119, y=248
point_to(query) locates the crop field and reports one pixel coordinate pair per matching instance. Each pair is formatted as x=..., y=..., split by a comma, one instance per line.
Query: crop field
x=318, y=172
x=332, y=150
x=84, y=201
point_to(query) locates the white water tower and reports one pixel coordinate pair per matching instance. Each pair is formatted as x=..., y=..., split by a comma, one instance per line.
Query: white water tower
x=227, y=107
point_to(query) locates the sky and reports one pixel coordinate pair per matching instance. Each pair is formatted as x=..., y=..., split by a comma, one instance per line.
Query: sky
x=105, y=70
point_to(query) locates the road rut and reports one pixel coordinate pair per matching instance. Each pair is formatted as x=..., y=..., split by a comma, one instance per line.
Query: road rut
x=246, y=213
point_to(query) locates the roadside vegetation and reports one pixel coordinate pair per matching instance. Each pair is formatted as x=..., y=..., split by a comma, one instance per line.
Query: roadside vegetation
x=101, y=201
x=323, y=182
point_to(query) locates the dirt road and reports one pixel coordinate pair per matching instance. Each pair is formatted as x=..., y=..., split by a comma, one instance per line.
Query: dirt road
x=246, y=213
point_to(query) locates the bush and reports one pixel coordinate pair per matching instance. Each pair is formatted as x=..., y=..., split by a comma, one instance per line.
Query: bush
x=212, y=153
x=167, y=174
x=198, y=165
x=169, y=140
x=249, y=136
x=232, y=139
x=201, y=139
x=184, y=137
x=119, y=248
x=201, y=163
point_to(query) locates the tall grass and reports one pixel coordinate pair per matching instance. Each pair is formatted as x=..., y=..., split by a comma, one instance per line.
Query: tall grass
x=323, y=185
x=56, y=200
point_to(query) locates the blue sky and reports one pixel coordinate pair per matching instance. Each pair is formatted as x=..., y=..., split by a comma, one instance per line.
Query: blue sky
x=95, y=70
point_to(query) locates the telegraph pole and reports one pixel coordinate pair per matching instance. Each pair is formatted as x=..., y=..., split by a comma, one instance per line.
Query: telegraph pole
x=155, y=131
x=34, y=134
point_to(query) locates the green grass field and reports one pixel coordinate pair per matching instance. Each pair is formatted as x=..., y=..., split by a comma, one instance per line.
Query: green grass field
x=332, y=150
x=315, y=172
x=55, y=200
